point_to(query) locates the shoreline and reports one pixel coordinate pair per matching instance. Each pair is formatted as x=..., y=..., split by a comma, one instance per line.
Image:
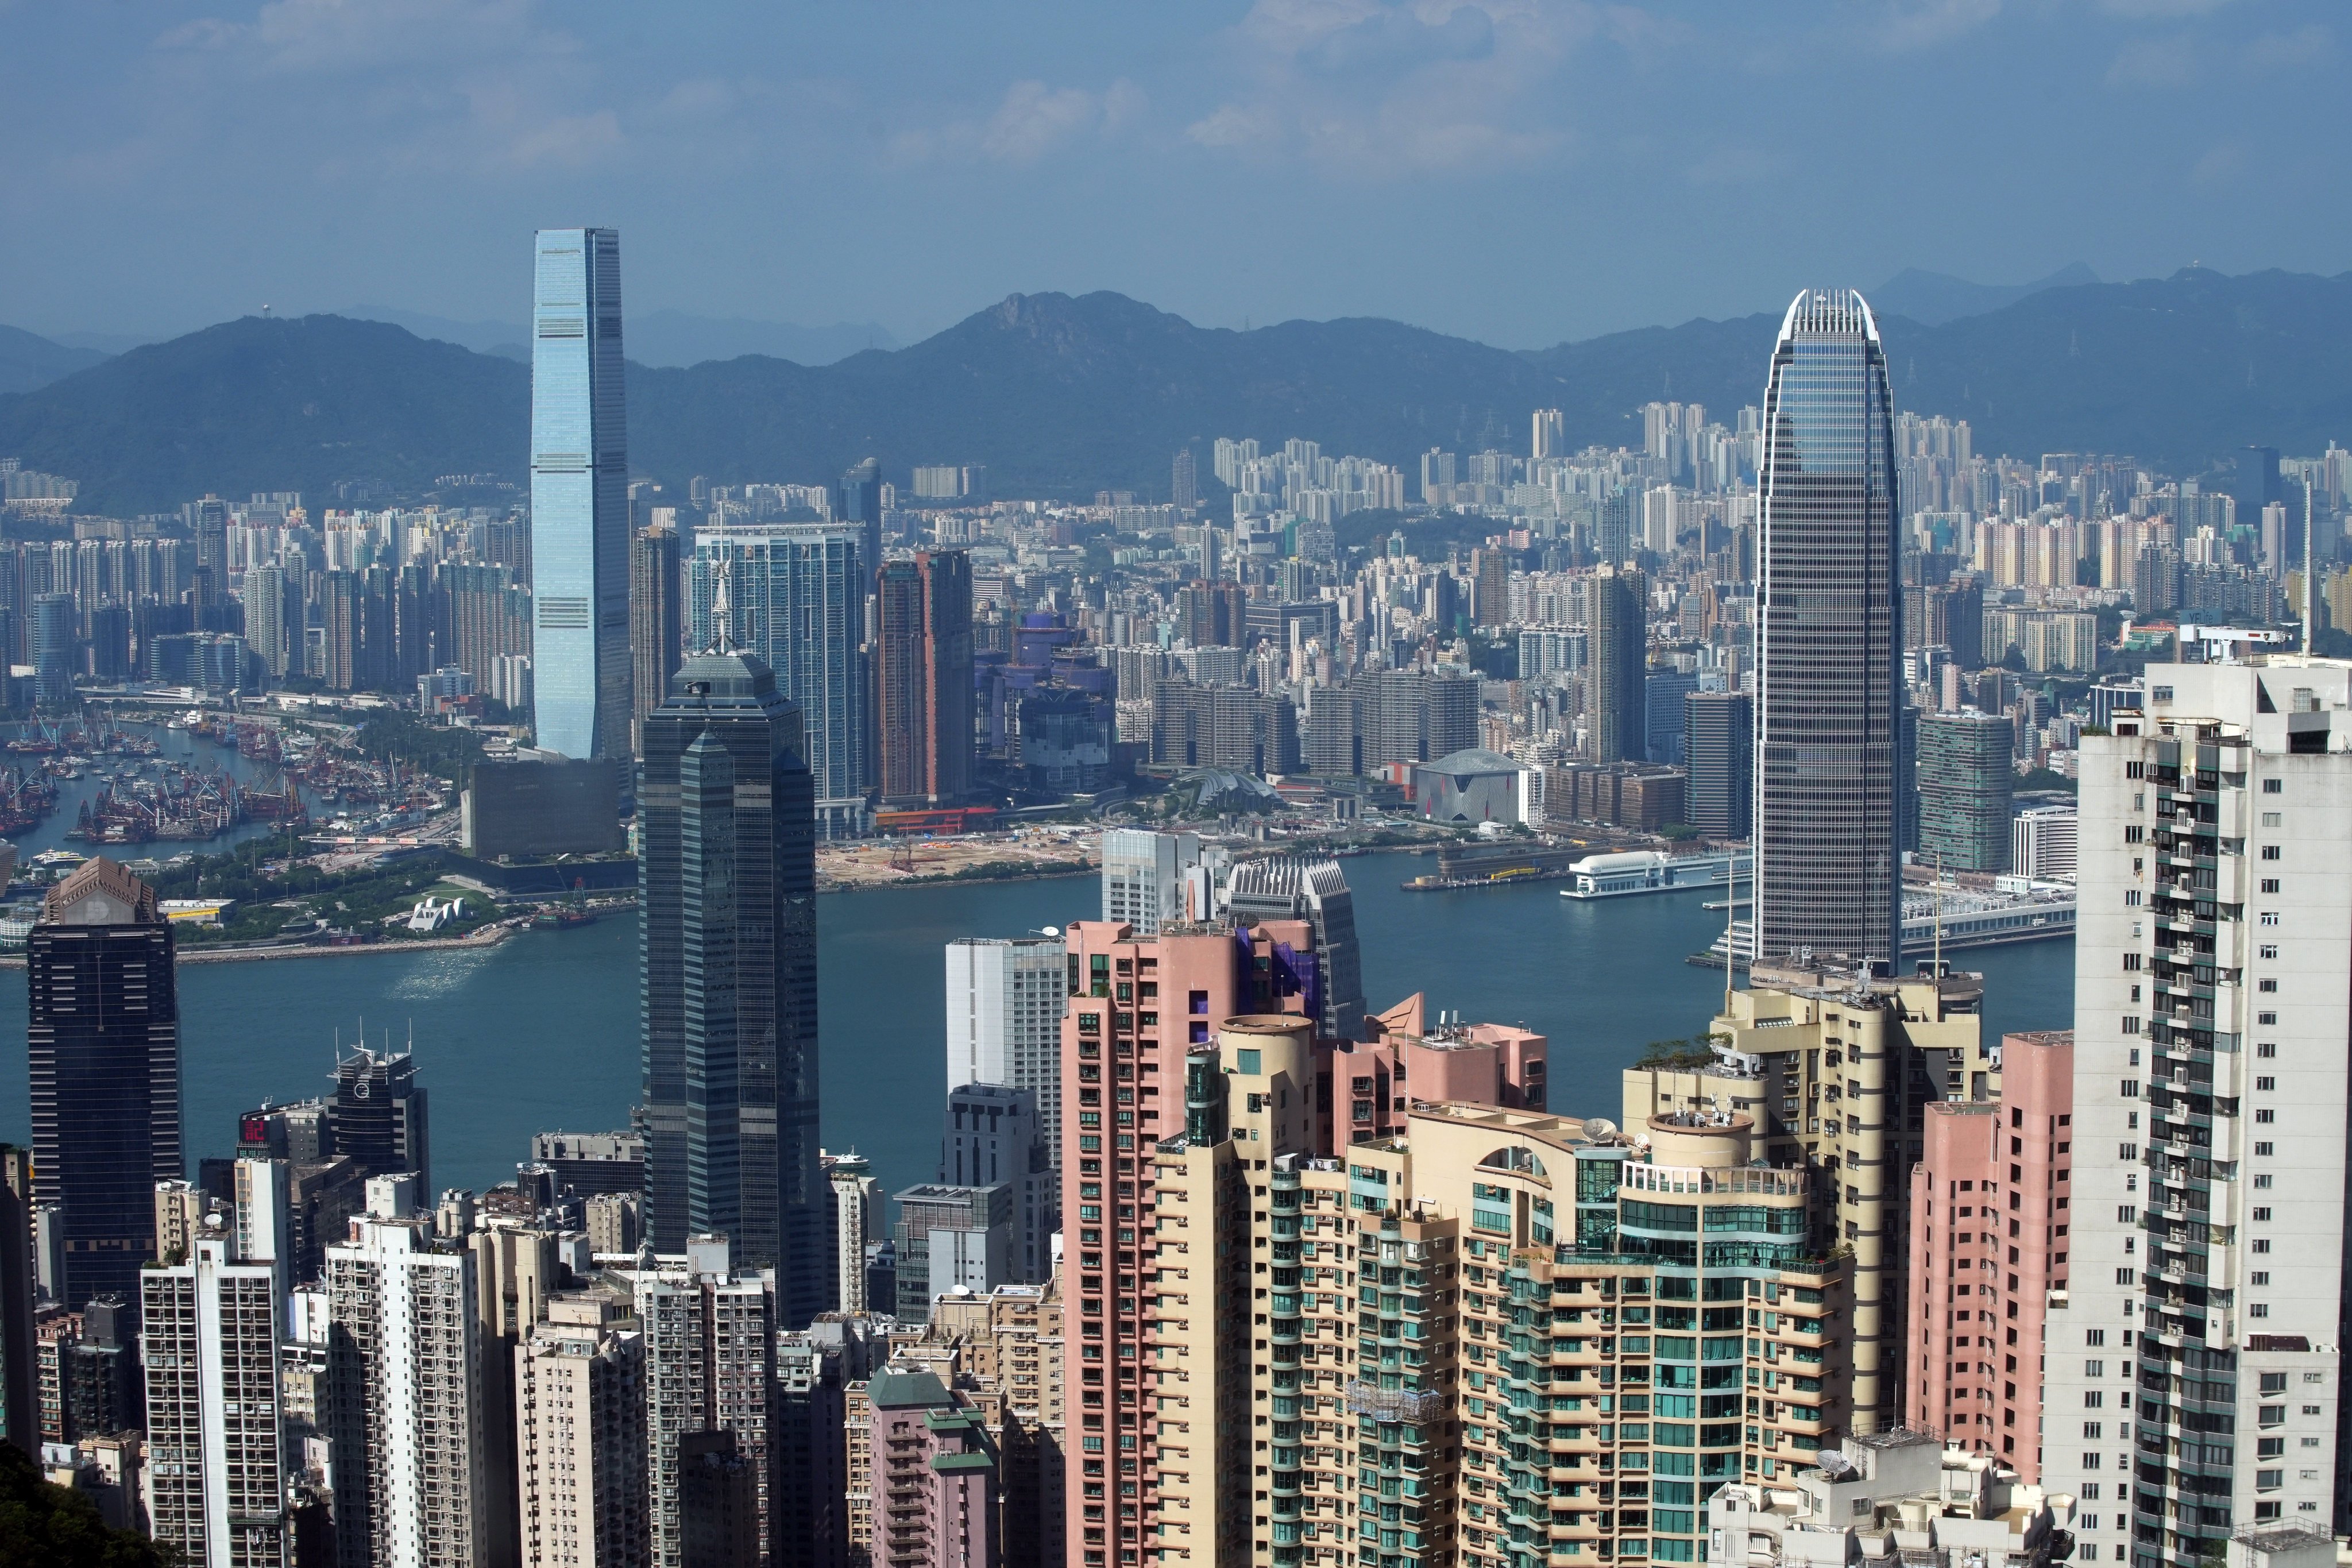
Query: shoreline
x=490, y=936
x=958, y=881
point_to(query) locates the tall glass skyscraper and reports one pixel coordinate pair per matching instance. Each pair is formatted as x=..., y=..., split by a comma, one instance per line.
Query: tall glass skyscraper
x=797, y=597
x=728, y=879
x=1829, y=677
x=579, y=498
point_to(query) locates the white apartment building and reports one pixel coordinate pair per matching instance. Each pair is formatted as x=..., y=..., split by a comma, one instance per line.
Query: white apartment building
x=216, y=1456
x=406, y=1423
x=579, y=1439
x=709, y=1343
x=261, y=1221
x=1004, y=1013
x=2192, y=1363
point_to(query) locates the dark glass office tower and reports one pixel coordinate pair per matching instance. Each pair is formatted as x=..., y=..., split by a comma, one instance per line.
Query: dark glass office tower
x=1720, y=733
x=1615, y=706
x=1829, y=684
x=377, y=1115
x=728, y=869
x=104, y=1037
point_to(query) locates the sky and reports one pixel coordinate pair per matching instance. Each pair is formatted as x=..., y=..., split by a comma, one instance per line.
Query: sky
x=1520, y=171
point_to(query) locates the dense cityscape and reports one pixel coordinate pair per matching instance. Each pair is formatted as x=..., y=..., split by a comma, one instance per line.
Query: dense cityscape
x=1954, y=834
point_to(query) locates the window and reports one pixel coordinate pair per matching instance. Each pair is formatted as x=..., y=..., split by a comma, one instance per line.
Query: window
x=2093, y=1432
x=2259, y=1310
x=2270, y=917
x=2274, y=819
x=2268, y=950
x=2159, y=694
x=2267, y=1020
x=2128, y=1152
x=2266, y=1051
x=2123, y=1276
x=2270, y=884
x=2127, y=1214
x=2093, y=1369
x=2094, y=1337
x=2128, y=1088
x=2131, y=898
x=2260, y=1244
x=2269, y=852
x=2274, y=787
x=2266, y=1083
x=2265, y=1115
x=2131, y=960
x=2268, y=985
x=2262, y=1277
x=2261, y=1215
x=2092, y=1398
x=2262, y=1181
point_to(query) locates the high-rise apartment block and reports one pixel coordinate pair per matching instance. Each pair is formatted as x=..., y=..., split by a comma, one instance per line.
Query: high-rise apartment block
x=1361, y=1375
x=922, y=679
x=858, y=1211
x=1616, y=705
x=710, y=1336
x=1828, y=695
x=218, y=1458
x=934, y=1478
x=1004, y=1017
x=729, y=961
x=2193, y=1386
x=1965, y=788
x=1989, y=1227
x=104, y=1043
x=407, y=1421
x=583, y=704
x=1836, y=1072
x=580, y=1425
x=795, y=598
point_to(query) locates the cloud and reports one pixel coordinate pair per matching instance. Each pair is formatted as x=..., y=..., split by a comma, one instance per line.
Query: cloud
x=2218, y=166
x=1380, y=88
x=2311, y=45
x=1924, y=24
x=2155, y=62
x=1034, y=119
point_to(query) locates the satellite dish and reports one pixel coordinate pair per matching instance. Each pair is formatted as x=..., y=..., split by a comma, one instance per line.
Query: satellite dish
x=1599, y=1126
x=1049, y=931
x=1833, y=1461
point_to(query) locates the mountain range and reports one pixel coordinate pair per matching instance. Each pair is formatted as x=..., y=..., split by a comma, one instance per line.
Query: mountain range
x=1060, y=396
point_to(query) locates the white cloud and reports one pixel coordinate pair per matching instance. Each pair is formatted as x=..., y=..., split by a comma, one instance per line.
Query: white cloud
x=1033, y=120
x=2309, y=46
x=2155, y=62
x=1378, y=89
x=1923, y=24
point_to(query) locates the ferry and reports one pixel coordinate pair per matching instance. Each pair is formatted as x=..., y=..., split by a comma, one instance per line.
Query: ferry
x=1632, y=871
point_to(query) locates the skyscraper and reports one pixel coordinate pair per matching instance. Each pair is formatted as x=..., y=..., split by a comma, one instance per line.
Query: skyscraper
x=1294, y=887
x=1719, y=742
x=1146, y=876
x=655, y=636
x=216, y=1444
x=1829, y=609
x=408, y=1427
x=857, y=503
x=729, y=978
x=1004, y=1018
x=104, y=1036
x=922, y=678
x=54, y=650
x=579, y=497
x=2210, y=1095
x=796, y=599
x=1616, y=706
x=377, y=1115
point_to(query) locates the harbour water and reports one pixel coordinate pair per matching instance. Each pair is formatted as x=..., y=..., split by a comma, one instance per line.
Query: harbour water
x=541, y=1032
x=174, y=746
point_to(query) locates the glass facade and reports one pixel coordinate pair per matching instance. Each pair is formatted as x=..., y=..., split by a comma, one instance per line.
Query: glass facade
x=797, y=597
x=1828, y=718
x=728, y=896
x=581, y=705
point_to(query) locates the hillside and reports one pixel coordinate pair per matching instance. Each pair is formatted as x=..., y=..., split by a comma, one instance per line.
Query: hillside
x=27, y=362
x=1062, y=396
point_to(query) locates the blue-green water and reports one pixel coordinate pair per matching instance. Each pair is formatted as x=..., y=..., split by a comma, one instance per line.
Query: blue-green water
x=542, y=1032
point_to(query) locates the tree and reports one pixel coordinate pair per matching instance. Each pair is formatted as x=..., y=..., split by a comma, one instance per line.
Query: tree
x=45, y=1526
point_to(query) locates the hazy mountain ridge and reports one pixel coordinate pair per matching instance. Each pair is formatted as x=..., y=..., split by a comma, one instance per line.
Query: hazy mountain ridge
x=1061, y=395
